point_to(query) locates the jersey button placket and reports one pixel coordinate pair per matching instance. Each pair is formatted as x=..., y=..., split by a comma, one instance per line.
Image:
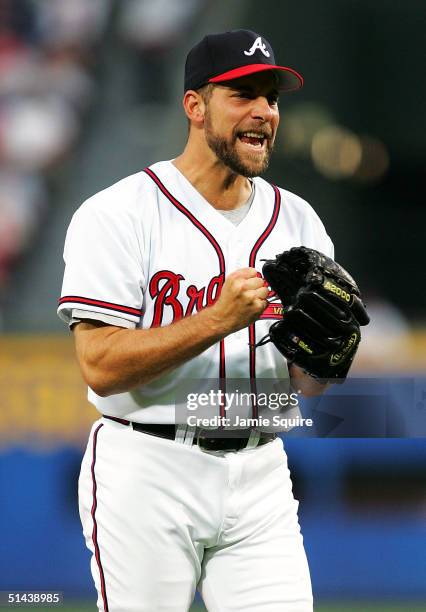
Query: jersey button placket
x=238, y=260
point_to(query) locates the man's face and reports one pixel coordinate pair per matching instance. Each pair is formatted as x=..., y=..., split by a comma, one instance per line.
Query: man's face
x=241, y=121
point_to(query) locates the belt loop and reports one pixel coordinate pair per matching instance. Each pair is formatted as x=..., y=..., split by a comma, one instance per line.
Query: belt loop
x=185, y=434
x=253, y=440
x=190, y=434
x=180, y=434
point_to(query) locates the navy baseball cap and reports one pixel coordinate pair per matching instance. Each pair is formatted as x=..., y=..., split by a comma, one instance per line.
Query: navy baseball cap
x=231, y=55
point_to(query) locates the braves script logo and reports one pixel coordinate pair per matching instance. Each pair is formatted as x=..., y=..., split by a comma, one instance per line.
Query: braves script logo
x=164, y=288
x=258, y=44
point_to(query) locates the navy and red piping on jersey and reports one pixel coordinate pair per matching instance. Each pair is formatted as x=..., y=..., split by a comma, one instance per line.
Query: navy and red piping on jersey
x=78, y=299
x=252, y=264
x=190, y=216
x=95, y=525
x=116, y=419
x=219, y=253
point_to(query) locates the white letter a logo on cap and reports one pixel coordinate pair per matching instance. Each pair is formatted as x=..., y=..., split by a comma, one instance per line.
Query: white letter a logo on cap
x=258, y=44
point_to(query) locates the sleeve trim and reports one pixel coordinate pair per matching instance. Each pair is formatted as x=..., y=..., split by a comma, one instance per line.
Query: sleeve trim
x=76, y=299
x=78, y=315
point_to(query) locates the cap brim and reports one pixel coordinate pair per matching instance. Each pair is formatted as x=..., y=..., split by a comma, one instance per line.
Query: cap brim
x=290, y=80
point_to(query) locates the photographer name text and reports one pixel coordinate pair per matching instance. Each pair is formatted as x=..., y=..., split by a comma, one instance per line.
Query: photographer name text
x=238, y=421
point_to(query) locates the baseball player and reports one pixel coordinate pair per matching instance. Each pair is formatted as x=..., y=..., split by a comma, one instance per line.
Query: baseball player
x=162, y=286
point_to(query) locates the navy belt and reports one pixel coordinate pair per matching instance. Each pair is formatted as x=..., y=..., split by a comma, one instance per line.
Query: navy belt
x=204, y=441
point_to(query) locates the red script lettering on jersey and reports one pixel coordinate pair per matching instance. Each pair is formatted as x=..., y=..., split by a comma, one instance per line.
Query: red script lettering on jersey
x=164, y=288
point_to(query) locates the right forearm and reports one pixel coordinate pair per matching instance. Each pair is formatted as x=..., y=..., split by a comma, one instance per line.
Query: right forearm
x=116, y=360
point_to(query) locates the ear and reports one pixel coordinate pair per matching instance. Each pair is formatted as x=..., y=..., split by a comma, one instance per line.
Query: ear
x=194, y=107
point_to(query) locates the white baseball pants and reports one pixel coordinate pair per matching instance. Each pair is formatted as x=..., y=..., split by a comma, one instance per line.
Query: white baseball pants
x=163, y=519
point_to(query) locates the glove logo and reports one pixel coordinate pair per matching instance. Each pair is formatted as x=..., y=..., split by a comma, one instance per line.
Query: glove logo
x=341, y=293
x=337, y=358
x=305, y=347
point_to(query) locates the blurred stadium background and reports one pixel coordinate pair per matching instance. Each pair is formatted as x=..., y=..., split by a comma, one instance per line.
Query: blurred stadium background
x=90, y=92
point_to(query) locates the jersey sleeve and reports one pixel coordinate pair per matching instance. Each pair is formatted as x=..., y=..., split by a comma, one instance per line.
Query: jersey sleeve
x=314, y=234
x=103, y=265
x=81, y=315
x=307, y=224
x=328, y=248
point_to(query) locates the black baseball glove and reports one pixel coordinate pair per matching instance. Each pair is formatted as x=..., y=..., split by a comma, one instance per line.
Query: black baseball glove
x=322, y=313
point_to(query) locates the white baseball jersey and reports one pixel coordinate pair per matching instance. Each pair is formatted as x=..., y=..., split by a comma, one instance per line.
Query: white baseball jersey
x=150, y=250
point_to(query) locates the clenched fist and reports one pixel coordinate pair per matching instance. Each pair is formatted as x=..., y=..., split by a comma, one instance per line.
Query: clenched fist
x=242, y=300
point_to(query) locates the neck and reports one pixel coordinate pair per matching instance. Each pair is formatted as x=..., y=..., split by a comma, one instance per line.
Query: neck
x=221, y=187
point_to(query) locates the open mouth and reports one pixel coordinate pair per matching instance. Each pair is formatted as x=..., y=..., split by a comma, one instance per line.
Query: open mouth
x=256, y=140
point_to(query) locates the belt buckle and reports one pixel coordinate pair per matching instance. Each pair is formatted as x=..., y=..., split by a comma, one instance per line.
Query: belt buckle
x=200, y=438
x=210, y=442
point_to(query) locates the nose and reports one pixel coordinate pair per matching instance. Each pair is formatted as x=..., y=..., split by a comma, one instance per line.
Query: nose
x=262, y=109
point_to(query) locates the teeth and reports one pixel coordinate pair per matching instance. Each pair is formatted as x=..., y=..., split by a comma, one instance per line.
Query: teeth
x=253, y=135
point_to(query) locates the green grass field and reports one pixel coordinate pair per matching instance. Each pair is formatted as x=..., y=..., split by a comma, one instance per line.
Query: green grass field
x=332, y=607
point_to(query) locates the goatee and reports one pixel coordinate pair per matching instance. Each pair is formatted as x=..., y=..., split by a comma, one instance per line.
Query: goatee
x=226, y=152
